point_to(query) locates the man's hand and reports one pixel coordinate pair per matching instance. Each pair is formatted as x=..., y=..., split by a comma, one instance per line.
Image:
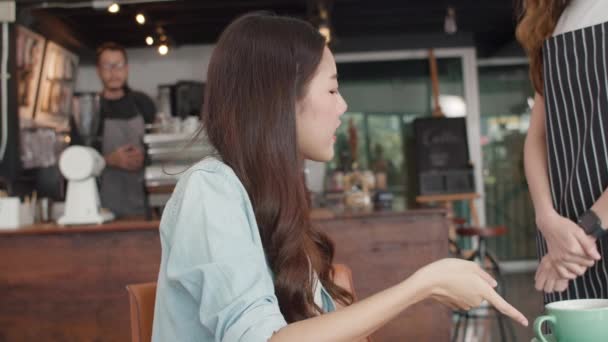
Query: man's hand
x=126, y=157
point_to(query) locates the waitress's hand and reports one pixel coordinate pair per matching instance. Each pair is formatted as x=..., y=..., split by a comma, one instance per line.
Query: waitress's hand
x=463, y=285
x=547, y=279
x=571, y=250
x=127, y=157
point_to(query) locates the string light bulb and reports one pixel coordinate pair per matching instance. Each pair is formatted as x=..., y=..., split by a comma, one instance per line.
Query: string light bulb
x=325, y=32
x=114, y=7
x=163, y=49
x=140, y=18
x=149, y=40
x=324, y=28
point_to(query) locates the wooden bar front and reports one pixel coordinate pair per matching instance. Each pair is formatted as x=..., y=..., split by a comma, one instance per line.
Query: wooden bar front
x=68, y=283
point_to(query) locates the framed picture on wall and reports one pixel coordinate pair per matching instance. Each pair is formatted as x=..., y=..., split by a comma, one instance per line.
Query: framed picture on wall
x=30, y=52
x=56, y=87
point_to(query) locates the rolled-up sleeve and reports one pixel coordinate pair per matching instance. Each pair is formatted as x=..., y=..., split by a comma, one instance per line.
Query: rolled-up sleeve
x=217, y=258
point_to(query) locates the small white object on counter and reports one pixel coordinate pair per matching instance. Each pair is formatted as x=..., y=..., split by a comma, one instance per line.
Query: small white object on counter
x=14, y=214
x=79, y=165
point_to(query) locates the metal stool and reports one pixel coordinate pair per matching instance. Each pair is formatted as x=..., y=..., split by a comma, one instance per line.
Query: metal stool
x=488, y=262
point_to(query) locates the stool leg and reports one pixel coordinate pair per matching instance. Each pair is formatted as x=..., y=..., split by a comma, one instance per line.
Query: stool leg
x=501, y=327
x=501, y=288
x=488, y=262
x=473, y=256
x=466, y=327
x=493, y=262
x=482, y=251
x=457, y=327
x=454, y=249
x=482, y=255
x=495, y=268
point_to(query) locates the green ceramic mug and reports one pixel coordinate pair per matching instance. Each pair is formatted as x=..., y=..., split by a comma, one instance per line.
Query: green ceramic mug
x=580, y=320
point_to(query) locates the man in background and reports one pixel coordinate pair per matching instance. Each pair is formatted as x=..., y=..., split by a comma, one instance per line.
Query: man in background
x=123, y=113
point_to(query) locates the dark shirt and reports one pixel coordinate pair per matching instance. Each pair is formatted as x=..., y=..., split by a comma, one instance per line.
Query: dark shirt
x=133, y=103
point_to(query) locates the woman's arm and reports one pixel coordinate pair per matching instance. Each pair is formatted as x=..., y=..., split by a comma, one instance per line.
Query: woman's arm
x=535, y=161
x=454, y=282
x=214, y=269
x=570, y=250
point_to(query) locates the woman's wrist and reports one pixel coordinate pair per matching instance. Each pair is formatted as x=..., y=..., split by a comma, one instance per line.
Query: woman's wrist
x=421, y=284
x=543, y=216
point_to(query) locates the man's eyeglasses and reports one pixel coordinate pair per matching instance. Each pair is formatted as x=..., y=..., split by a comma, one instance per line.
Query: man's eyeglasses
x=112, y=66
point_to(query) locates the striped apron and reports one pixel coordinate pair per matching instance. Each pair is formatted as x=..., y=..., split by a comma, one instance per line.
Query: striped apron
x=576, y=102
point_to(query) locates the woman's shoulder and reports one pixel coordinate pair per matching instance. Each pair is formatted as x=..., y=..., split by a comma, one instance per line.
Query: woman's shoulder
x=208, y=194
x=210, y=168
x=207, y=183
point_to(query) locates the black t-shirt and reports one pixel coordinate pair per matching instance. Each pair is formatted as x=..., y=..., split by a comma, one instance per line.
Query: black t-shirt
x=132, y=104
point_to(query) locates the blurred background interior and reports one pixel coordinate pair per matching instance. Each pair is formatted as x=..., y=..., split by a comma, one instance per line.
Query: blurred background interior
x=398, y=63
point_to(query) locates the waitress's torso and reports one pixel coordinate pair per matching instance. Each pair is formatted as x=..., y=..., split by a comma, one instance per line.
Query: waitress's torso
x=575, y=73
x=576, y=86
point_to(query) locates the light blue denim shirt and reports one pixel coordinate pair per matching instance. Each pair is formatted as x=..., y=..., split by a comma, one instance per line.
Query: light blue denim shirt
x=214, y=282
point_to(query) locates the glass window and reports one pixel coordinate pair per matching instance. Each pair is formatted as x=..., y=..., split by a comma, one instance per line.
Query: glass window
x=384, y=97
x=506, y=97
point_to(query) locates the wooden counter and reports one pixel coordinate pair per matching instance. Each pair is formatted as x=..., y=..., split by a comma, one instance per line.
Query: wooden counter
x=68, y=283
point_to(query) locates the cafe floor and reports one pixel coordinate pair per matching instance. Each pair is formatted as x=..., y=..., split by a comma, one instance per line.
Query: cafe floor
x=520, y=293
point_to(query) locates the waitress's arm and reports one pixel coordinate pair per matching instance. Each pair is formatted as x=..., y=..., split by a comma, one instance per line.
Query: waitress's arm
x=535, y=162
x=571, y=251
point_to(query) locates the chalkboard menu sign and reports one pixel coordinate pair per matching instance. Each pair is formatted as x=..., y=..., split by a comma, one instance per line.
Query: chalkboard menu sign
x=442, y=156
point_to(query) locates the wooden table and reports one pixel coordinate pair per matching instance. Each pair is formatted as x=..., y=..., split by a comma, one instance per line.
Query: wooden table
x=68, y=283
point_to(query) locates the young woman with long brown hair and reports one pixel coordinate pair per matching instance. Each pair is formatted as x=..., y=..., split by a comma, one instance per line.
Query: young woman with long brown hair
x=566, y=149
x=241, y=260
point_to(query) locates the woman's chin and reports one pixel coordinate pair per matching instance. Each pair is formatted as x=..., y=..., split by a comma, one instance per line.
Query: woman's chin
x=322, y=157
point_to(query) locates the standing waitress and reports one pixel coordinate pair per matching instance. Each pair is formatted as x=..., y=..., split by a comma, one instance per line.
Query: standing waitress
x=566, y=149
x=123, y=115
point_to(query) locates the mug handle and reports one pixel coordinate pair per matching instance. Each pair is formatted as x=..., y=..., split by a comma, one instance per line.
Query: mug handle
x=538, y=324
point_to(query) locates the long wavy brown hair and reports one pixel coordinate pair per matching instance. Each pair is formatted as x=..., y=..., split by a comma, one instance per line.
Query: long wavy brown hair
x=537, y=22
x=259, y=68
